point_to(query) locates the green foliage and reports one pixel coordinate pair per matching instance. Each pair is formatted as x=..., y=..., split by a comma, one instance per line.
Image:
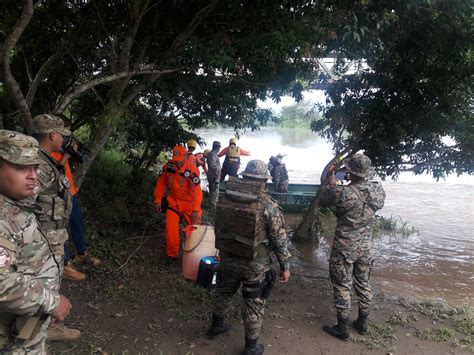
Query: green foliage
x=113, y=193
x=414, y=90
x=298, y=115
x=394, y=225
x=438, y=335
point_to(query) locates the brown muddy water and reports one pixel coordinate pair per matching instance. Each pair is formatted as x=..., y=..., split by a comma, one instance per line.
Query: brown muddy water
x=437, y=263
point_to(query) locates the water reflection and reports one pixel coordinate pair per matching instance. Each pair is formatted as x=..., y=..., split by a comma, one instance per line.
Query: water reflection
x=437, y=263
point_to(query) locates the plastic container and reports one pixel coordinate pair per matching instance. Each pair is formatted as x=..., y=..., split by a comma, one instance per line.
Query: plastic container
x=199, y=243
x=208, y=268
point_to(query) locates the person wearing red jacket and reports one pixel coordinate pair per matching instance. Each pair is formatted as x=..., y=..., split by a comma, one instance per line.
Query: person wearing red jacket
x=232, y=158
x=181, y=178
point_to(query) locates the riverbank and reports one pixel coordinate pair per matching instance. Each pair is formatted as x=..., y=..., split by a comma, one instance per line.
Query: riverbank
x=135, y=304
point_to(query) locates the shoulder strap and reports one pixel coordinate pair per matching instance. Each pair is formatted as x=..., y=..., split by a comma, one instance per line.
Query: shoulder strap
x=360, y=197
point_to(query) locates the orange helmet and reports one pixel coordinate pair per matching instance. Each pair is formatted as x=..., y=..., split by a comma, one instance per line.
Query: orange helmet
x=178, y=153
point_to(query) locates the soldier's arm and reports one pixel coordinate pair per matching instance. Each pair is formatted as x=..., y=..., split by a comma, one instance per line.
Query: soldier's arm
x=21, y=293
x=329, y=195
x=277, y=235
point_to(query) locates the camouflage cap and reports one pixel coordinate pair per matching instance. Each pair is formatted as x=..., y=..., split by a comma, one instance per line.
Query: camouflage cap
x=256, y=169
x=46, y=123
x=359, y=165
x=18, y=148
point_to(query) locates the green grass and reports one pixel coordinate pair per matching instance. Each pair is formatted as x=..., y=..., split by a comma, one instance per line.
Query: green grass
x=438, y=335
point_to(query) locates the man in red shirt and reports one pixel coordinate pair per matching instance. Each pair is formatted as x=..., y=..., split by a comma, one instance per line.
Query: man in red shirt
x=232, y=158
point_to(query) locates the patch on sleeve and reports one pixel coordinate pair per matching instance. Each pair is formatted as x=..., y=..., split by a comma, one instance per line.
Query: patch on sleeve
x=5, y=257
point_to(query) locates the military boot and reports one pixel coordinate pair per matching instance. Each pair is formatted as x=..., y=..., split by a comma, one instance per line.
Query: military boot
x=361, y=324
x=71, y=273
x=86, y=259
x=59, y=332
x=340, y=330
x=252, y=348
x=218, y=327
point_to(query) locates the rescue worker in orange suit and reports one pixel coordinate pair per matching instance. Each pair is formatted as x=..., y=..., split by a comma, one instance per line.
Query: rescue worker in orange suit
x=197, y=158
x=181, y=177
x=232, y=158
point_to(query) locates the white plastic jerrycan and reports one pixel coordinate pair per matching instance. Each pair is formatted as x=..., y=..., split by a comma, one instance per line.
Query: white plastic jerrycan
x=199, y=243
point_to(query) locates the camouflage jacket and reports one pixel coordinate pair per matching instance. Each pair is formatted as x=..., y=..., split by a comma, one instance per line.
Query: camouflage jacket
x=213, y=167
x=356, y=205
x=53, y=193
x=279, y=174
x=277, y=237
x=29, y=274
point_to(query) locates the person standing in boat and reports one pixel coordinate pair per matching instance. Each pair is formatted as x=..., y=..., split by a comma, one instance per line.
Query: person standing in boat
x=232, y=158
x=351, y=258
x=279, y=174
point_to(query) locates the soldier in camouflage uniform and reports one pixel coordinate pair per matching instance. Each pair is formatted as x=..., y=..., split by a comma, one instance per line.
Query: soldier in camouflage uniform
x=352, y=257
x=29, y=273
x=246, y=258
x=279, y=174
x=213, y=175
x=54, y=197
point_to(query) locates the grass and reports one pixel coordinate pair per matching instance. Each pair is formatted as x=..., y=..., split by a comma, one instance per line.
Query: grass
x=379, y=336
x=394, y=225
x=437, y=335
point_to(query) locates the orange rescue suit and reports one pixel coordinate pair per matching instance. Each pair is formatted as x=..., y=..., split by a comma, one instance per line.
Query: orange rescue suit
x=184, y=198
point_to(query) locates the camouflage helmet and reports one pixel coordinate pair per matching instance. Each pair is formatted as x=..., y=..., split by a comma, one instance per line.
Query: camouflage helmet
x=18, y=148
x=359, y=165
x=256, y=169
x=47, y=123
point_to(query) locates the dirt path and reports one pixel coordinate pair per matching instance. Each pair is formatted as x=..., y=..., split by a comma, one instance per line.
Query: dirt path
x=146, y=307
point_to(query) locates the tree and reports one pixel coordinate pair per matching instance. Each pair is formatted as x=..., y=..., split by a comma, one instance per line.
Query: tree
x=410, y=106
x=102, y=56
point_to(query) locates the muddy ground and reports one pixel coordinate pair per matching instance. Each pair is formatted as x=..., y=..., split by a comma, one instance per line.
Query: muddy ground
x=134, y=304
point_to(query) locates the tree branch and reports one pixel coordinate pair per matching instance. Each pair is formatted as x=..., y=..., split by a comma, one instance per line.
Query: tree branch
x=78, y=90
x=5, y=60
x=196, y=21
x=42, y=73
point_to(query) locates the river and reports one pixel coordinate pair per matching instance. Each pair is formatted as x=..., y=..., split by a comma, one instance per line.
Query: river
x=436, y=264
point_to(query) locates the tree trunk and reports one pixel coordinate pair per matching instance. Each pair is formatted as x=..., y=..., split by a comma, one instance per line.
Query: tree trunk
x=304, y=231
x=109, y=121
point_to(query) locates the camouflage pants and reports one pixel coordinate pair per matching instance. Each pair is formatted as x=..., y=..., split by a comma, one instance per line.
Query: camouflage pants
x=232, y=276
x=344, y=275
x=35, y=346
x=213, y=196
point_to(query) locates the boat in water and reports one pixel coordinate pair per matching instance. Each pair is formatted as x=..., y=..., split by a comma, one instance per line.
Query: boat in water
x=296, y=200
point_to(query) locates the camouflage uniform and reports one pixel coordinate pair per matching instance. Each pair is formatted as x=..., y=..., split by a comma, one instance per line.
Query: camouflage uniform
x=53, y=190
x=352, y=257
x=213, y=176
x=279, y=175
x=29, y=273
x=236, y=270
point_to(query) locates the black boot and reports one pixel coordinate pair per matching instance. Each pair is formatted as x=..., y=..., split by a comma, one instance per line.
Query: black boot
x=341, y=330
x=252, y=348
x=218, y=327
x=361, y=324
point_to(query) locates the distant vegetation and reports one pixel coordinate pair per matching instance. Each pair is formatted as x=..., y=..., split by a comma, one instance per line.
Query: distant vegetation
x=298, y=115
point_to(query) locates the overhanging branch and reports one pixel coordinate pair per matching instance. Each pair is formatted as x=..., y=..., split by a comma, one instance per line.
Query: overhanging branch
x=79, y=89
